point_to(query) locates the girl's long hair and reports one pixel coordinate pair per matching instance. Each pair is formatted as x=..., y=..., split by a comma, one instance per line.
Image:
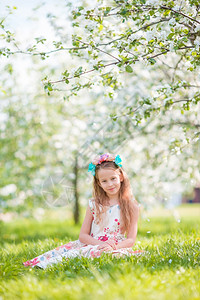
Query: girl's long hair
x=127, y=209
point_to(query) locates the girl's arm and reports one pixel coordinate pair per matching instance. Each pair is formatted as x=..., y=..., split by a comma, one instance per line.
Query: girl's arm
x=84, y=236
x=131, y=235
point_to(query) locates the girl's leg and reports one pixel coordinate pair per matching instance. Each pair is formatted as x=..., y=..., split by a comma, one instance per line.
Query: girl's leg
x=52, y=256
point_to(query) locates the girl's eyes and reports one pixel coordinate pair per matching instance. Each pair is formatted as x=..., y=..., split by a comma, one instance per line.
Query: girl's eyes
x=111, y=178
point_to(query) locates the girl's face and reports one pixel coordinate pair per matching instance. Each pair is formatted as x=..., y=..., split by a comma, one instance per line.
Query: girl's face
x=110, y=181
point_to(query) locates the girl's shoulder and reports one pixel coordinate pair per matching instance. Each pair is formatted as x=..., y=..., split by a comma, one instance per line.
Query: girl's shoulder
x=91, y=203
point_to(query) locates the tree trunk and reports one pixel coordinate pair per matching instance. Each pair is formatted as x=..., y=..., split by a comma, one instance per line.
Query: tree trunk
x=76, y=193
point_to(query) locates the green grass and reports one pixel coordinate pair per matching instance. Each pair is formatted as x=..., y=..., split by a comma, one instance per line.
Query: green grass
x=168, y=270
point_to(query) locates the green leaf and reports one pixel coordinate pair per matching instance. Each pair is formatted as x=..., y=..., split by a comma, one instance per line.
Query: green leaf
x=129, y=69
x=100, y=27
x=65, y=73
x=152, y=61
x=50, y=88
x=170, y=36
x=113, y=117
x=80, y=8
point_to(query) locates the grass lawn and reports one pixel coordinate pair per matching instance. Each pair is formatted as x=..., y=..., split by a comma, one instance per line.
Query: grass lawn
x=168, y=270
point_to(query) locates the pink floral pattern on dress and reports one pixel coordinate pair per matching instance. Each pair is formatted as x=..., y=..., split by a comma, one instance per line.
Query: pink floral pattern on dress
x=32, y=262
x=103, y=238
x=110, y=229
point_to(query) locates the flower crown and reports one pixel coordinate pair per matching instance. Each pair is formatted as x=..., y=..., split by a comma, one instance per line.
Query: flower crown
x=104, y=157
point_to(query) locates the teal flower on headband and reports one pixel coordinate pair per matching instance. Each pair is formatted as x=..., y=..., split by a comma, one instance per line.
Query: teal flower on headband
x=104, y=157
x=118, y=161
x=92, y=168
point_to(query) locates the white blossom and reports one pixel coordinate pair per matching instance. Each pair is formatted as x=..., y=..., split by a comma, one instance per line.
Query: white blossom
x=153, y=2
x=171, y=46
x=115, y=71
x=140, y=58
x=176, y=7
x=90, y=48
x=197, y=27
x=172, y=21
x=149, y=35
x=136, y=35
x=95, y=52
x=197, y=41
x=163, y=34
x=8, y=189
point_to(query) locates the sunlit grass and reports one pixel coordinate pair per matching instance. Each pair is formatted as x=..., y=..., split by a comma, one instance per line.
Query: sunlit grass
x=169, y=268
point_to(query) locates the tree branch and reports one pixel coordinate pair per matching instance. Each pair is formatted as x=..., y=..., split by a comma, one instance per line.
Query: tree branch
x=83, y=73
x=100, y=50
x=149, y=8
x=48, y=52
x=129, y=34
x=180, y=13
x=115, y=63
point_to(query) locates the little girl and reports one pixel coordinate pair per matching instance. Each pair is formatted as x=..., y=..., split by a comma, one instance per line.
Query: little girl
x=111, y=213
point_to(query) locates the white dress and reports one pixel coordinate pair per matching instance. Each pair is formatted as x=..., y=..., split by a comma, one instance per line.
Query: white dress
x=110, y=229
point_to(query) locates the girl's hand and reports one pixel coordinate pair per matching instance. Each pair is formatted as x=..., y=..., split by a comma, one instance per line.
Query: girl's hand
x=105, y=247
x=112, y=243
x=101, y=243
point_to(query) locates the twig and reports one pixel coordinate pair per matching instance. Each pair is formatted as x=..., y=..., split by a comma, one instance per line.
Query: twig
x=100, y=50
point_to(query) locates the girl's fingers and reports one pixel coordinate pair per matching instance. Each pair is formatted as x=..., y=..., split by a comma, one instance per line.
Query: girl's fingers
x=108, y=249
x=100, y=247
x=105, y=248
x=111, y=243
